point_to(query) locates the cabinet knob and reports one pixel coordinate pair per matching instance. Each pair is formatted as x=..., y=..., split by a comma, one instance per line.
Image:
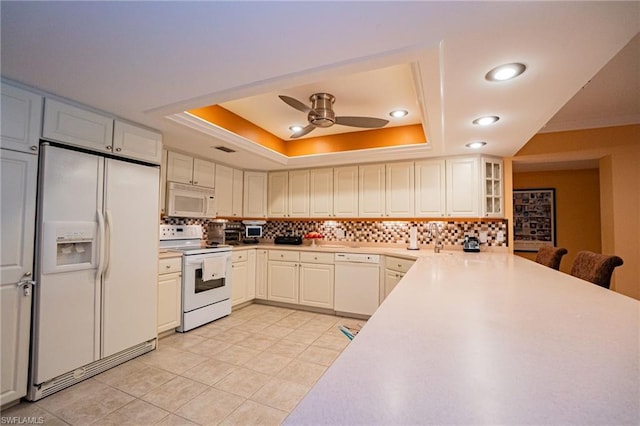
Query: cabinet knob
x=109, y=147
x=195, y=182
x=33, y=148
x=168, y=266
x=315, y=258
x=118, y=149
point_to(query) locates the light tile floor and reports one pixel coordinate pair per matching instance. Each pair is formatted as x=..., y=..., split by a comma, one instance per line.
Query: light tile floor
x=252, y=367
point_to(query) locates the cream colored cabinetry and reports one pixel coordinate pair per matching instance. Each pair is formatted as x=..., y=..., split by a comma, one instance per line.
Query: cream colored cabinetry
x=169, y=293
x=492, y=191
x=283, y=276
x=18, y=186
x=289, y=194
x=399, y=190
x=251, y=274
x=240, y=277
x=395, y=268
x=77, y=126
x=345, y=191
x=321, y=193
x=255, y=194
x=371, y=194
x=21, y=118
x=186, y=169
x=135, y=142
x=430, y=188
x=228, y=191
x=316, y=279
x=462, y=187
x=262, y=257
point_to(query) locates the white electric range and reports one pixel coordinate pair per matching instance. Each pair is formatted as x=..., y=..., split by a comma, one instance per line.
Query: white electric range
x=206, y=275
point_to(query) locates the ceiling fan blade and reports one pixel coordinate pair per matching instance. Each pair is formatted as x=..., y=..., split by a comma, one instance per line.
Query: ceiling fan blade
x=367, y=122
x=295, y=103
x=307, y=129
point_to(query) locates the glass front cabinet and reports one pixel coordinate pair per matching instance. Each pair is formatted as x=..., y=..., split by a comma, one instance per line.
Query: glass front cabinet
x=492, y=188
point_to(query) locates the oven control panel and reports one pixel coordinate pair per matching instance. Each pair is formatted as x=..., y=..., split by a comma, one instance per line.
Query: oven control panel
x=180, y=232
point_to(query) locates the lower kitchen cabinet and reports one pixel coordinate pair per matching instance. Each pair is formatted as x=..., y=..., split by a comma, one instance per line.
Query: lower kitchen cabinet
x=169, y=293
x=240, y=277
x=394, y=271
x=316, y=285
x=282, y=281
x=262, y=257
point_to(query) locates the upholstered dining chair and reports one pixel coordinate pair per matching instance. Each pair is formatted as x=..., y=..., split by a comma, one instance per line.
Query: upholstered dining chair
x=550, y=256
x=595, y=268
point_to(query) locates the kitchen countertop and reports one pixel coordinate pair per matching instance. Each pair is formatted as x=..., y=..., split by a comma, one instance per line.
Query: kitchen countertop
x=487, y=338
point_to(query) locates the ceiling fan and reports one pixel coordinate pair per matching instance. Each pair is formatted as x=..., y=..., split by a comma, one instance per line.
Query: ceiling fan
x=321, y=114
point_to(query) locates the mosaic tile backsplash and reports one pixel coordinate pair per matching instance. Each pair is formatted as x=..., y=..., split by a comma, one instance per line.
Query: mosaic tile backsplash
x=362, y=231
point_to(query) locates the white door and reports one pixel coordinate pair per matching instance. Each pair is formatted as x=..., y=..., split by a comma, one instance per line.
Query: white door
x=391, y=280
x=21, y=118
x=169, y=301
x=239, y=282
x=283, y=282
x=224, y=190
x=316, y=285
x=136, y=142
x=179, y=168
x=255, y=194
x=321, y=193
x=67, y=330
x=298, y=193
x=371, y=181
x=345, y=191
x=261, y=274
x=18, y=182
x=204, y=173
x=399, y=190
x=430, y=188
x=462, y=187
x=251, y=274
x=236, y=198
x=278, y=194
x=130, y=280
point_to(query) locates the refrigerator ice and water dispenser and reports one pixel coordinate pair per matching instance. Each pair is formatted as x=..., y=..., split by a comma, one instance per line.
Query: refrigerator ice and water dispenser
x=69, y=246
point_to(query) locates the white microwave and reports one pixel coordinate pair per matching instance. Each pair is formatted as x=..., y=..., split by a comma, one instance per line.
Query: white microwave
x=190, y=201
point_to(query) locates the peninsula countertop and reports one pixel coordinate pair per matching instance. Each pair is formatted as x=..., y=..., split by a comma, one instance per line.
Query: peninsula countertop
x=488, y=338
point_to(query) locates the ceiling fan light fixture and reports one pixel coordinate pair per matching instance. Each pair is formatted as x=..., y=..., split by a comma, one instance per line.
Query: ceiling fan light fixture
x=398, y=113
x=505, y=72
x=295, y=128
x=476, y=145
x=486, y=120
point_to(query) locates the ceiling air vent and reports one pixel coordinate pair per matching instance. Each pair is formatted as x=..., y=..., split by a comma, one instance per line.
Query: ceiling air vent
x=224, y=149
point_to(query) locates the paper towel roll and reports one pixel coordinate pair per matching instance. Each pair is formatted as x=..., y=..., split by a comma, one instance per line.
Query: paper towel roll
x=413, y=238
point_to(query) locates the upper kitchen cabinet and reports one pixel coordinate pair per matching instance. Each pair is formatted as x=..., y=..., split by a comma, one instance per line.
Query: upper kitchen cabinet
x=21, y=118
x=492, y=190
x=321, y=192
x=345, y=191
x=430, y=188
x=399, y=198
x=186, y=169
x=228, y=191
x=371, y=194
x=255, y=194
x=135, y=142
x=77, y=126
x=288, y=194
x=462, y=187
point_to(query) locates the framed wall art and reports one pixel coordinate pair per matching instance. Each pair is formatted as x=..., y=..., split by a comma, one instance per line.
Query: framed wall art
x=534, y=218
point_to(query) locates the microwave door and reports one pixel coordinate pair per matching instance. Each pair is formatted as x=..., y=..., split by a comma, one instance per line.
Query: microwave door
x=187, y=205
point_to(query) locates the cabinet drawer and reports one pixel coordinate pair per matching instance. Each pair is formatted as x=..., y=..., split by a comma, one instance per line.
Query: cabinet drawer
x=239, y=256
x=397, y=264
x=286, y=255
x=315, y=257
x=170, y=265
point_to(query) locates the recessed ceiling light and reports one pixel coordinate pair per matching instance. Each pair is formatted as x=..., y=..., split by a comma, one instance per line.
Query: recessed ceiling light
x=295, y=128
x=505, y=72
x=486, y=120
x=476, y=145
x=398, y=113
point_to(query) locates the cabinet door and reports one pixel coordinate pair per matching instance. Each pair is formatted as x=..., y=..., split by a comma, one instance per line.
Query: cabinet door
x=179, y=168
x=169, y=300
x=204, y=173
x=298, y=205
x=391, y=280
x=21, y=118
x=18, y=187
x=236, y=197
x=261, y=274
x=255, y=194
x=251, y=274
x=239, y=282
x=316, y=285
x=345, y=191
x=399, y=190
x=492, y=191
x=224, y=190
x=371, y=197
x=430, y=188
x=462, y=187
x=77, y=126
x=135, y=142
x=282, y=280
x=278, y=194
x=321, y=193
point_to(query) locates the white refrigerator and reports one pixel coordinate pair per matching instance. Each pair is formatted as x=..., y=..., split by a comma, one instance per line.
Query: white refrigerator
x=96, y=266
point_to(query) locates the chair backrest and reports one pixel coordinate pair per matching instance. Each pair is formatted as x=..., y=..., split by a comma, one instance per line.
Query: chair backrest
x=550, y=256
x=594, y=267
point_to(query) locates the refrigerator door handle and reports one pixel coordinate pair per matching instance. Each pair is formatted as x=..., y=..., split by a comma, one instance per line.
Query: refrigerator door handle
x=101, y=248
x=109, y=224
